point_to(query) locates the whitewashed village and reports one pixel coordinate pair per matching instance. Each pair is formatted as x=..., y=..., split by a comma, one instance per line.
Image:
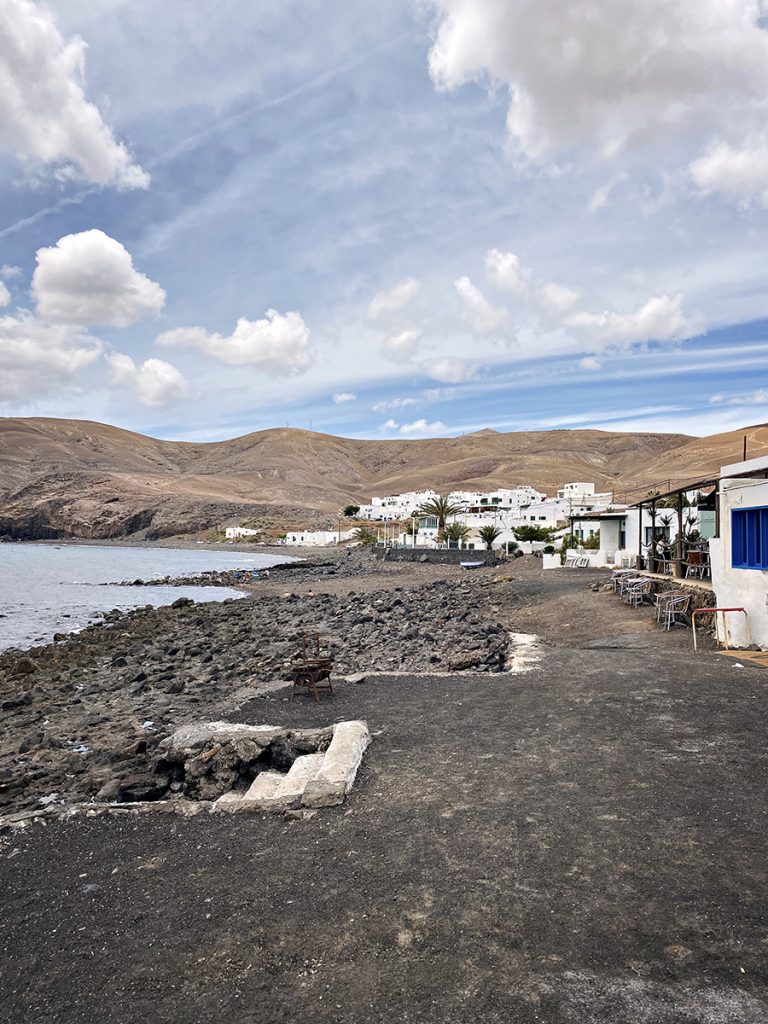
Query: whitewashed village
x=709, y=535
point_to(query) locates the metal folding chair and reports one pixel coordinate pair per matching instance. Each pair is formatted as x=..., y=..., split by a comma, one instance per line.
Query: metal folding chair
x=676, y=609
x=637, y=592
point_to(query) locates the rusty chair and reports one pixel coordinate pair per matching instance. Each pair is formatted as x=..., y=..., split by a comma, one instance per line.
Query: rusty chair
x=311, y=671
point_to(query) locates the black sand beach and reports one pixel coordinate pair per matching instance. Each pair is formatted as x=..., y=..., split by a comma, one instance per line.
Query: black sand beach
x=580, y=842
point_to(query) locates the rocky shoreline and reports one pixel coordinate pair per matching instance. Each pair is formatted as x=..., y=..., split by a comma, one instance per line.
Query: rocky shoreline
x=84, y=715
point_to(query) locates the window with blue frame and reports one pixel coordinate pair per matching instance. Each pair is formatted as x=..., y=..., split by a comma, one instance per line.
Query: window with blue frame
x=749, y=538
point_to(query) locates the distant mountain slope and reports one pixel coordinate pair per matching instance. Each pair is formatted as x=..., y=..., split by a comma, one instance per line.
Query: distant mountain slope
x=72, y=477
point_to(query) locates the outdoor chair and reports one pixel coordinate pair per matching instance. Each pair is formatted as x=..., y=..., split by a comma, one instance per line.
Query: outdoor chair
x=662, y=598
x=697, y=564
x=638, y=591
x=676, y=609
x=631, y=579
x=618, y=575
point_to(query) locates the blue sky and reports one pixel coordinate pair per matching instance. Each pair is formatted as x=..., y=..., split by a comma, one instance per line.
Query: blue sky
x=401, y=220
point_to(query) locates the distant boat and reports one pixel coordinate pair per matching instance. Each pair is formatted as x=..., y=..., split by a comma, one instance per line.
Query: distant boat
x=471, y=565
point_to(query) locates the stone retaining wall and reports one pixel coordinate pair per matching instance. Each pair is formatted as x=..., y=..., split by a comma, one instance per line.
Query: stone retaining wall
x=437, y=556
x=701, y=597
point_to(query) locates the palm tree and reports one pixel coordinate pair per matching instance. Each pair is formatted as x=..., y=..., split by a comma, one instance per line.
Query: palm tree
x=441, y=508
x=488, y=534
x=454, y=533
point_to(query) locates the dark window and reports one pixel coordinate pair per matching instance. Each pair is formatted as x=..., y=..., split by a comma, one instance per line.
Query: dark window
x=749, y=544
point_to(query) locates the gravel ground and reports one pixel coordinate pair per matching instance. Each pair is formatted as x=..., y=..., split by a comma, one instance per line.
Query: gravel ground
x=584, y=842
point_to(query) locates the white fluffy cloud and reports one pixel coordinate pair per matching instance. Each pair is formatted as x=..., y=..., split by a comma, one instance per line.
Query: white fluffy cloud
x=394, y=298
x=154, y=383
x=277, y=345
x=5, y=295
x=661, y=318
x=89, y=278
x=741, y=172
x=557, y=297
x=422, y=428
x=506, y=273
x=343, y=396
x=607, y=77
x=477, y=310
x=38, y=358
x=45, y=117
x=448, y=370
x=400, y=348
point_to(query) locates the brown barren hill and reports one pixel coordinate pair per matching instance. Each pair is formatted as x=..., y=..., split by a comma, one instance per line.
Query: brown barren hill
x=63, y=478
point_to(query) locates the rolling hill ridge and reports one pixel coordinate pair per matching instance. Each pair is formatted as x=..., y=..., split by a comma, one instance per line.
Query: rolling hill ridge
x=75, y=478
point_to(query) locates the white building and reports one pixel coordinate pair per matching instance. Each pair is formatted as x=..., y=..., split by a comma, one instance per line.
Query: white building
x=739, y=556
x=502, y=498
x=581, y=494
x=624, y=533
x=395, y=506
x=236, y=532
x=317, y=538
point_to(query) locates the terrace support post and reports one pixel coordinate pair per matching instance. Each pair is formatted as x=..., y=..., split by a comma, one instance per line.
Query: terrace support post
x=639, y=563
x=652, y=553
x=680, y=542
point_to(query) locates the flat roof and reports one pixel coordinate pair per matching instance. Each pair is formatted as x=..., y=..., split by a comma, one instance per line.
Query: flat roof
x=743, y=468
x=588, y=516
x=696, y=485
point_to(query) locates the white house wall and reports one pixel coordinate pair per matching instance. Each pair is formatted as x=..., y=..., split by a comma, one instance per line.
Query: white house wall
x=742, y=588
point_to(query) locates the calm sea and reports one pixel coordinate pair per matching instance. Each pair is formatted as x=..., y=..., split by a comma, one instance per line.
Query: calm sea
x=47, y=589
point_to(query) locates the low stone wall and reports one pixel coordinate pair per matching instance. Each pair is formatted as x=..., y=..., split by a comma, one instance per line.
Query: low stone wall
x=701, y=597
x=437, y=556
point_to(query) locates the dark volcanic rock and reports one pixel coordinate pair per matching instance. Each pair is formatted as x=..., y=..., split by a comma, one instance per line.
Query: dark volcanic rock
x=142, y=787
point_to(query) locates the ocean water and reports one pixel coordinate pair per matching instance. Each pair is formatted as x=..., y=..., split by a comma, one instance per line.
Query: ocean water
x=47, y=588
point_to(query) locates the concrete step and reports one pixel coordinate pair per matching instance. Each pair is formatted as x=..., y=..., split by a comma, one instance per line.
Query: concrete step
x=291, y=789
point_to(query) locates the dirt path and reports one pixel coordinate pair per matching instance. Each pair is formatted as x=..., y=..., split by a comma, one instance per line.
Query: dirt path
x=580, y=844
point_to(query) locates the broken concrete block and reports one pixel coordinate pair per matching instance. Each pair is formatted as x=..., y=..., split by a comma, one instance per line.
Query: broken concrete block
x=337, y=773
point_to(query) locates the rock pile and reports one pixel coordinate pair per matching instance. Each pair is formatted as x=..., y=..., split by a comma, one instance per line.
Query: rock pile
x=89, y=711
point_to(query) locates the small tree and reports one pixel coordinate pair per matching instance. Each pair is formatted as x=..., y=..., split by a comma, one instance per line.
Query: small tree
x=365, y=535
x=454, y=533
x=488, y=534
x=592, y=543
x=351, y=511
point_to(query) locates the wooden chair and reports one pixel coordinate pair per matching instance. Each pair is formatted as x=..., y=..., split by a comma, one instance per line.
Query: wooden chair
x=311, y=672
